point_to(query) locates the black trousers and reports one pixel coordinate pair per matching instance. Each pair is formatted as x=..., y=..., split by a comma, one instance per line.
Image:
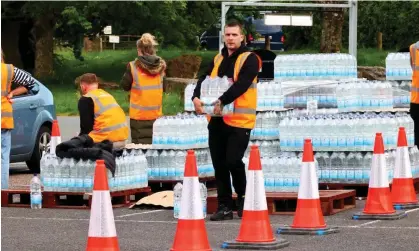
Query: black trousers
x=227, y=145
x=414, y=113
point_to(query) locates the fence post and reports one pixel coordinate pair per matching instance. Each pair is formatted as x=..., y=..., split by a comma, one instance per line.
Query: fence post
x=380, y=41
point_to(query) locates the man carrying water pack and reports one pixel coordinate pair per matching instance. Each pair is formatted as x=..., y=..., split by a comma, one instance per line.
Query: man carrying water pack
x=229, y=135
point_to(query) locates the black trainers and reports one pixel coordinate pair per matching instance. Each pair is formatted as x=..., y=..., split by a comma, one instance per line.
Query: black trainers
x=240, y=205
x=223, y=213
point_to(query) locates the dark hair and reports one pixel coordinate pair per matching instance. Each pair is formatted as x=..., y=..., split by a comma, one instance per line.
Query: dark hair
x=89, y=78
x=235, y=23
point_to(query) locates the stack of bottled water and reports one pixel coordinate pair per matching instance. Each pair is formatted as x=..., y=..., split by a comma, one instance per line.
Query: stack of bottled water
x=315, y=66
x=266, y=147
x=188, y=105
x=266, y=127
x=183, y=131
x=177, y=197
x=364, y=96
x=170, y=164
x=344, y=132
x=355, y=167
x=398, y=66
x=281, y=171
x=269, y=96
x=401, y=94
x=70, y=175
x=325, y=95
x=211, y=90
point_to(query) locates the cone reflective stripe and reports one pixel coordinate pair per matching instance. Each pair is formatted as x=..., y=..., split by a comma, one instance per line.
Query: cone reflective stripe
x=403, y=190
x=308, y=213
x=255, y=230
x=191, y=233
x=102, y=232
x=378, y=199
x=55, y=136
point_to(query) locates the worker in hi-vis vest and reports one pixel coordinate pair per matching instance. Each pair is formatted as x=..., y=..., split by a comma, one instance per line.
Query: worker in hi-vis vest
x=10, y=75
x=229, y=134
x=144, y=80
x=100, y=115
x=414, y=90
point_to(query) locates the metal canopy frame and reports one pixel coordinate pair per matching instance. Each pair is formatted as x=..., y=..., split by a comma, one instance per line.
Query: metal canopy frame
x=352, y=5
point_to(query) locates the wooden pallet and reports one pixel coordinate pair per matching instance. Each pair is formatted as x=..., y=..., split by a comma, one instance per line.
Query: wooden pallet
x=70, y=200
x=361, y=189
x=332, y=202
x=163, y=185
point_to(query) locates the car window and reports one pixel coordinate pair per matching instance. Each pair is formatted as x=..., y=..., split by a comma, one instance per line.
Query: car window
x=34, y=91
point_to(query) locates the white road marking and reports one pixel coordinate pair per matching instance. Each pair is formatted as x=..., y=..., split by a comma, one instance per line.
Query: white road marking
x=412, y=210
x=368, y=223
x=147, y=212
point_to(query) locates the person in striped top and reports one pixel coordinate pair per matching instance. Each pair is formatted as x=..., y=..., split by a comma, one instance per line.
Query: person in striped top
x=10, y=75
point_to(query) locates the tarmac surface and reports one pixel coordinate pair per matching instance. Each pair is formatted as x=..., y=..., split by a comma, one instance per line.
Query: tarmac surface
x=153, y=230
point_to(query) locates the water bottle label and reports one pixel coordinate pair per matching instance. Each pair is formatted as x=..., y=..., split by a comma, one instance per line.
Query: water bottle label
x=155, y=172
x=111, y=182
x=359, y=141
x=333, y=142
x=350, y=141
x=366, y=174
x=79, y=183
x=325, y=174
x=279, y=182
x=287, y=182
x=358, y=175
x=366, y=102
x=341, y=174
x=171, y=172
x=325, y=141
x=333, y=174
x=350, y=174
x=63, y=182
x=88, y=183
x=71, y=182
x=163, y=172
x=47, y=182
x=316, y=141
x=295, y=182
x=342, y=141
x=36, y=199
x=374, y=103
x=269, y=183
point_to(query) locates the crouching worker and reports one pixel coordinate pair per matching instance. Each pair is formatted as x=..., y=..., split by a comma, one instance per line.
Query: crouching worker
x=101, y=118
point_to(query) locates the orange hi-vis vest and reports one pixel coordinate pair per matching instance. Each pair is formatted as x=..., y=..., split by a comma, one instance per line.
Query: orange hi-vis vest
x=244, y=111
x=146, y=95
x=7, y=72
x=414, y=61
x=110, y=123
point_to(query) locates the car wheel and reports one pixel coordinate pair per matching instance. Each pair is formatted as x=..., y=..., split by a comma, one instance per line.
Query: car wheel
x=41, y=144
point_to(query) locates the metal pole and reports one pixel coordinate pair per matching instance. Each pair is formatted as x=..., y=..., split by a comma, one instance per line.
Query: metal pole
x=353, y=23
x=297, y=5
x=223, y=22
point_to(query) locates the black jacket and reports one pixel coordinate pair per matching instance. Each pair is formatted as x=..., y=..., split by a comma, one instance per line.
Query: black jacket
x=83, y=147
x=246, y=75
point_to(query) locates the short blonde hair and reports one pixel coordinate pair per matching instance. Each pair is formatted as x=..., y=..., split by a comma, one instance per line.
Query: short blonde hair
x=147, y=44
x=89, y=78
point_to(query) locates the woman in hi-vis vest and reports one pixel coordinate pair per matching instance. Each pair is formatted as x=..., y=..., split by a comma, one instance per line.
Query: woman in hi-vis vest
x=143, y=78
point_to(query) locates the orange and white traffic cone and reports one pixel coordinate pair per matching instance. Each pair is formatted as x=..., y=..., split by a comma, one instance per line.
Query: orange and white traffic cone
x=55, y=137
x=403, y=192
x=191, y=233
x=379, y=205
x=255, y=231
x=308, y=218
x=102, y=232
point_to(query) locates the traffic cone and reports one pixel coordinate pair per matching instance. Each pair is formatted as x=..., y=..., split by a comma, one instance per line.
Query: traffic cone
x=403, y=192
x=379, y=205
x=308, y=218
x=191, y=233
x=55, y=136
x=255, y=230
x=102, y=232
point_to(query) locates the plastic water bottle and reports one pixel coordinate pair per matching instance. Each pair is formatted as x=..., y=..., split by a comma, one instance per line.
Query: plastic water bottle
x=203, y=190
x=36, y=193
x=177, y=195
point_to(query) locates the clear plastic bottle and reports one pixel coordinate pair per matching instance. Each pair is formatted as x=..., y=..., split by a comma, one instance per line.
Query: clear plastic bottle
x=36, y=193
x=177, y=196
x=204, y=195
